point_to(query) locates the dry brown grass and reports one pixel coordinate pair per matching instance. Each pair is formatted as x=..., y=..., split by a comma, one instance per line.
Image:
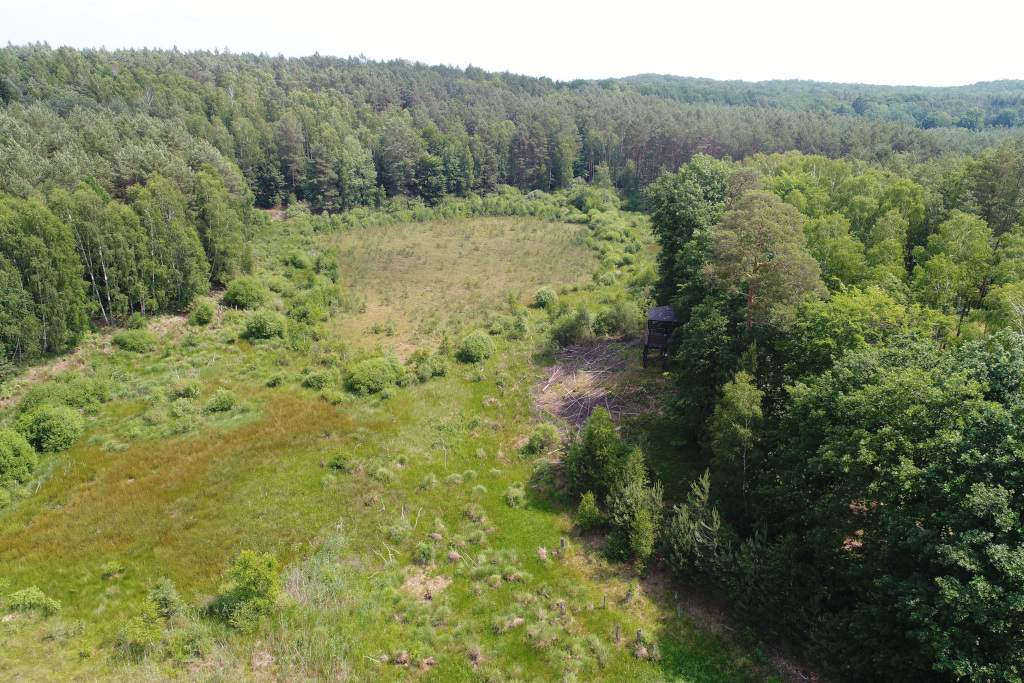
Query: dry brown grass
x=449, y=273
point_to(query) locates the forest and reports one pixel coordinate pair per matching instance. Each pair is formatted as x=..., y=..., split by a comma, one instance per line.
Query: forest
x=833, y=454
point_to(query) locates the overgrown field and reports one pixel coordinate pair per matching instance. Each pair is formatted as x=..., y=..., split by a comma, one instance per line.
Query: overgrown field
x=415, y=535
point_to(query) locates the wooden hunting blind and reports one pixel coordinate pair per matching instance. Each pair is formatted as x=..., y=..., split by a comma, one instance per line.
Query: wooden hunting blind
x=661, y=322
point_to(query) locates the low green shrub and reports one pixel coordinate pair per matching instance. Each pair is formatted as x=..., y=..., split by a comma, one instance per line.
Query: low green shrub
x=137, y=322
x=192, y=641
x=574, y=328
x=264, y=325
x=621, y=318
x=434, y=366
x=476, y=347
x=32, y=599
x=188, y=387
x=251, y=591
x=201, y=312
x=168, y=601
x=318, y=379
x=515, y=495
x=134, y=341
x=588, y=517
x=51, y=428
x=374, y=374
x=245, y=292
x=139, y=633
x=546, y=297
x=424, y=552
x=222, y=401
x=17, y=458
x=543, y=439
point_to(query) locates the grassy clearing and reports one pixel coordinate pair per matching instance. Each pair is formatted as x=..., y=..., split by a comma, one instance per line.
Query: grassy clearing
x=401, y=556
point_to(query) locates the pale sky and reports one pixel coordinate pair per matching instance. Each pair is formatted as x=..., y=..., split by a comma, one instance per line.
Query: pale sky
x=873, y=41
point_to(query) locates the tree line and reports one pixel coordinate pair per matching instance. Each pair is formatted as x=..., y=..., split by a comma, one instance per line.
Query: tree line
x=340, y=133
x=69, y=257
x=849, y=376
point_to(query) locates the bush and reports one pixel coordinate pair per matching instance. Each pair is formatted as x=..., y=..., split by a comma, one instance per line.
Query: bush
x=318, y=379
x=476, y=347
x=193, y=641
x=573, y=328
x=222, y=401
x=607, y=280
x=190, y=387
x=137, y=322
x=201, y=312
x=168, y=601
x=515, y=495
x=139, y=633
x=434, y=366
x=587, y=515
x=71, y=391
x=17, y=458
x=50, y=429
x=134, y=341
x=264, y=325
x=32, y=599
x=546, y=298
x=251, y=591
x=373, y=375
x=297, y=259
x=245, y=292
x=543, y=439
x=621, y=318
x=424, y=553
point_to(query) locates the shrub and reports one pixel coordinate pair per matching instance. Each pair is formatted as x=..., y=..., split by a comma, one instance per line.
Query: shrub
x=139, y=633
x=476, y=347
x=621, y=318
x=111, y=570
x=32, y=599
x=399, y=531
x=607, y=279
x=434, y=366
x=318, y=379
x=587, y=515
x=515, y=495
x=245, y=292
x=71, y=391
x=134, y=341
x=264, y=325
x=193, y=641
x=424, y=552
x=222, y=401
x=189, y=387
x=17, y=458
x=184, y=407
x=201, y=312
x=166, y=598
x=137, y=322
x=543, y=439
x=372, y=375
x=546, y=297
x=573, y=328
x=251, y=591
x=297, y=259
x=51, y=429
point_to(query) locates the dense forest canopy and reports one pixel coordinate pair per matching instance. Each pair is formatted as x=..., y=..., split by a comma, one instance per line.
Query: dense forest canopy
x=332, y=131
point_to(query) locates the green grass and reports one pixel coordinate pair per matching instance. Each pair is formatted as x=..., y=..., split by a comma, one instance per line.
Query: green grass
x=164, y=494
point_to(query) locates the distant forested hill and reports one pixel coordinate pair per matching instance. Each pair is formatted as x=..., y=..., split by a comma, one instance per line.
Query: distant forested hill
x=346, y=132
